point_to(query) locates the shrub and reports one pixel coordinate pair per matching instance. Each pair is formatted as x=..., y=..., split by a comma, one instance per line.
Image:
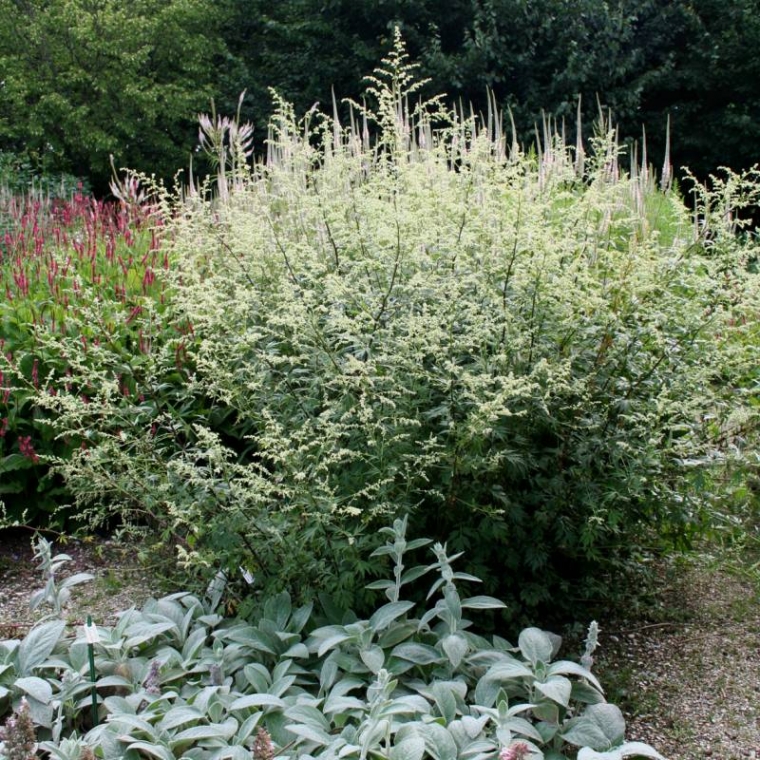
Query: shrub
x=177, y=679
x=531, y=352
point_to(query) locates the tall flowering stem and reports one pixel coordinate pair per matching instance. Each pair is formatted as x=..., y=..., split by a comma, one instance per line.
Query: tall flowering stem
x=58, y=259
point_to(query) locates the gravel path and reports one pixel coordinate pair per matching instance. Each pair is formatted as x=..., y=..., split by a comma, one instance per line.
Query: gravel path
x=691, y=688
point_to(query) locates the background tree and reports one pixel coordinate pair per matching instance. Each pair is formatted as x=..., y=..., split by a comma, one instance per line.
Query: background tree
x=84, y=79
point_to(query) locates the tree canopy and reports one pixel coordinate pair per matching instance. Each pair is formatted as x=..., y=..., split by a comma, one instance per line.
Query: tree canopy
x=83, y=79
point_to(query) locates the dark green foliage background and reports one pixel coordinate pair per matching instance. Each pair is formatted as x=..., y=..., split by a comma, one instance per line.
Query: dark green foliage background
x=83, y=79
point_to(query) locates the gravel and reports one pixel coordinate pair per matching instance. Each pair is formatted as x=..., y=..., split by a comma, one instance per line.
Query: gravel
x=120, y=582
x=691, y=686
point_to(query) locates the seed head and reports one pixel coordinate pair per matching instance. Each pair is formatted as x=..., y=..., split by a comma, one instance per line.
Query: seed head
x=19, y=735
x=516, y=751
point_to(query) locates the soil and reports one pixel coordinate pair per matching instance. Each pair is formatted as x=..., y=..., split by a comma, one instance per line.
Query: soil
x=687, y=677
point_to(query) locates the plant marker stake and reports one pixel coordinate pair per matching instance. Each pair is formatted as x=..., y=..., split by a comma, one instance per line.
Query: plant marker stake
x=91, y=635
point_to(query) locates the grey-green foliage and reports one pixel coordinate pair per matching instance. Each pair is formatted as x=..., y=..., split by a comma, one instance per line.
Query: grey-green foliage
x=56, y=592
x=176, y=679
x=530, y=353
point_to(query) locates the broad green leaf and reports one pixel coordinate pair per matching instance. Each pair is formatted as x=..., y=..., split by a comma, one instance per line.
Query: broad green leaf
x=298, y=650
x=300, y=617
x=565, y=667
x=142, y=633
x=257, y=700
x=524, y=728
x=535, y=645
x=601, y=727
x=483, y=603
x=234, y=752
x=35, y=687
x=586, y=693
x=310, y=733
x=332, y=638
x=557, y=689
x=258, y=676
x=179, y=716
x=419, y=654
x=41, y=712
x=456, y=647
x=586, y=753
x=412, y=748
x=629, y=749
x=383, y=617
x=397, y=633
x=194, y=643
x=154, y=750
x=38, y=644
x=639, y=749
x=74, y=580
x=309, y=715
x=215, y=731
x=339, y=704
x=247, y=727
x=373, y=657
x=439, y=742
x=444, y=700
x=380, y=585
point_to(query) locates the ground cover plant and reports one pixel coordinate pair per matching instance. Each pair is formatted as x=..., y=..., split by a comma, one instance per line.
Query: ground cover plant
x=178, y=679
x=531, y=353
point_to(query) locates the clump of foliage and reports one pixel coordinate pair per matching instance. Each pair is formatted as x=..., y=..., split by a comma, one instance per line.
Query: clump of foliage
x=84, y=273
x=531, y=353
x=177, y=679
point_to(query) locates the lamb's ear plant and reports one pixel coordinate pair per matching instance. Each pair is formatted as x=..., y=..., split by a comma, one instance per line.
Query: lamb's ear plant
x=176, y=679
x=57, y=591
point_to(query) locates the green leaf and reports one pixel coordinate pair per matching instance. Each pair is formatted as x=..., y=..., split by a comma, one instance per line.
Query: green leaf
x=413, y=573
x=639, y=749
x=154, y=750
x=456, y=647
x=586, y=693
x=536, y=645
x=257, y=700
x=309, y=732
x=35, y=687
x=74, y=580
x=556, y=688
x=601, y=727
x=445, y=700
x=439, y=742
x=38, y=644
x=629, y=749
x=565, y=667
x=328, y=638
x=299, y=650
x=387, y=614
x=141, y=633
x=15, y=462
x=215, y=731
x=396, y=634
x=373, y=657
x=179, y=716
x=483, y=603
x=412, y=748
x=419, y=654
